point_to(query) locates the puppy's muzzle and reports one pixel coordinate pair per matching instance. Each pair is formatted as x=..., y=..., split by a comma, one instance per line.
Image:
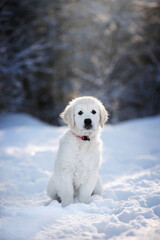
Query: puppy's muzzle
x=87, y=123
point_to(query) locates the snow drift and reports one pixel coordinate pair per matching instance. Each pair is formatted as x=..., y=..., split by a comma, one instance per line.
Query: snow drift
x=129, y=208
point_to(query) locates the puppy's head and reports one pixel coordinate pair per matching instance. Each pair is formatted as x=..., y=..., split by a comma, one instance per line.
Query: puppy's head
x=85, y=114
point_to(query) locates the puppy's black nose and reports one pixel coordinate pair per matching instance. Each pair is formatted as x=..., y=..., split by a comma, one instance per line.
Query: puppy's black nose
x=87, y=121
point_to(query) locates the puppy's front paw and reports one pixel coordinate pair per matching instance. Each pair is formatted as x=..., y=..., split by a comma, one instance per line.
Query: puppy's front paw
x=66, y=202
x=84, y=199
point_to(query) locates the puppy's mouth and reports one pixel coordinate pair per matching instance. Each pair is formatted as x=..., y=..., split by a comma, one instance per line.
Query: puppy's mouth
x=88, y=127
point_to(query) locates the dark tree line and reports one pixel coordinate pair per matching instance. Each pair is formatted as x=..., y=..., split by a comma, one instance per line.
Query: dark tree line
x=52, y=51
x=28, y=42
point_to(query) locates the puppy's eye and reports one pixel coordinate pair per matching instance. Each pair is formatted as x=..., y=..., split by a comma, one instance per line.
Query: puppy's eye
x=80, y=113
x=93, y=111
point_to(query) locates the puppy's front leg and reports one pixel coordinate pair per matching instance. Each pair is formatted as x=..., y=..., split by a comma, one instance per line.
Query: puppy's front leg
x=66, y=191
x=87, y=188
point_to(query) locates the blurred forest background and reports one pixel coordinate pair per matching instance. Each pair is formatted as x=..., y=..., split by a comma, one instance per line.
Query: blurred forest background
x=54, y=50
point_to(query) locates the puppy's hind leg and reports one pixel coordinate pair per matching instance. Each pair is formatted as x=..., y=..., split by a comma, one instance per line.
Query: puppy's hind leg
x=51, y=189
x=98, y=189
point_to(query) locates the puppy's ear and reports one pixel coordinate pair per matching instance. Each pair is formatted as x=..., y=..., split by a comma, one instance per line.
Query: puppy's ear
x=103, y=115
x=68, y=116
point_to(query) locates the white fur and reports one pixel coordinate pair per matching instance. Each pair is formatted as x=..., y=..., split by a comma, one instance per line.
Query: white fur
x=77, y=162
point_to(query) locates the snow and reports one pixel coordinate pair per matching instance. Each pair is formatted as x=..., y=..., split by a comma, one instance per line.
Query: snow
x=129, y=207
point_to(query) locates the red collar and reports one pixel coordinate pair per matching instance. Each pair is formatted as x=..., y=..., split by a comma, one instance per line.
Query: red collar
x=84, y=138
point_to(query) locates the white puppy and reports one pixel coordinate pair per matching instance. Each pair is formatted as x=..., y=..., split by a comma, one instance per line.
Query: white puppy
x=80, y=151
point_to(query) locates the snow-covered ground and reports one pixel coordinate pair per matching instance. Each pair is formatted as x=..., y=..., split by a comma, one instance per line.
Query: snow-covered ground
x=129, y=208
